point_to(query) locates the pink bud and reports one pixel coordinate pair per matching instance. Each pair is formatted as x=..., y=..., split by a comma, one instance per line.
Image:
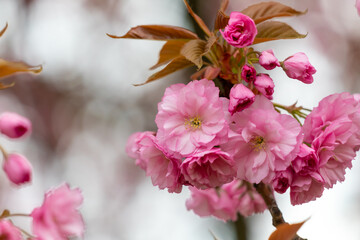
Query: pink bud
x=248, y=73
x=13, y=125
x=283, y=180
x=17, y=168
x=8, y=231
x=268, y=60
x=240, y=98
x=298, y=67
x=265, y=85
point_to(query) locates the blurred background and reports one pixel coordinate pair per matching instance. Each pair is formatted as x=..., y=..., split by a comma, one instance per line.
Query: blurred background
x=83, y=107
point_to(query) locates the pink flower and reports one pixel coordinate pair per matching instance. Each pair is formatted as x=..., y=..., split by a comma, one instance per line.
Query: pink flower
x=307, y=183
x=240, y=98
x=334, y=133
x=268, y=61
x=163, y=170
x=208, y=169
x=13, y=125
x=191, y=117
x=17, y=168
x=248, y=73
x=283, y=180
x=240, y=31
x=134, y=145
x=226, y=202
x=58, y=218
x=298, y=67
x=265, y=85
x=8, y=231
x=357, y=5
x=262, y=141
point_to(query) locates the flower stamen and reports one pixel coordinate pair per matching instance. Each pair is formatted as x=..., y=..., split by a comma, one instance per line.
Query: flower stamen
x=194, y=123
x=258, y=143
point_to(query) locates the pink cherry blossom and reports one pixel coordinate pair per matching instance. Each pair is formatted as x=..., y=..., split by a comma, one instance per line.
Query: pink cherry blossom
x=262, y=141
x=17, y=168
x=268, y=60
x=134, y=145
x=163, y=169
x=265, y=85
x=241, y=97
x=226, y=202
x=191, y=117
x=58, y=218
x=8, y=231
x=240, y=31
x=334, y=133
x=208, y=169
x=13, y=125
x=283, y=180
x=248, y=73
x=298, y=67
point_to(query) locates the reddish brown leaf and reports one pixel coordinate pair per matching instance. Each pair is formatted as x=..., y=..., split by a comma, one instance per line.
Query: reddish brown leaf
x=3, y=30
x=175, y=65
x=197, y=19
x=221, y=20
x=169, y=51
x=266, y=10
x=224, y=4
x=157, y=32
x=273, y=30
x=193, y=51
x=8, y=68
x=286, y=231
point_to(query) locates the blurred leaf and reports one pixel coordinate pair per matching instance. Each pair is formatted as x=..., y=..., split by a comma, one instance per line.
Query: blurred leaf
x=197, y=19
x=157, y=32
x=3, y=30
x=221, y=20
x=8, y=68
x=175, y=65
x=5, y=213
x=224, y=4
x=266, y=10
x=273, y=30
x=286, y=231
x=169, y=51
x=193, y=51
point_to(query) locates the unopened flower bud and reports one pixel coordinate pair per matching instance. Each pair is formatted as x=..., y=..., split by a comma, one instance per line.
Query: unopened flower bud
x=268, y=60
x=241, y=97
x=13, y=125
x=17, y=168
x=283, y=180
x=298, y=67
x=248, y=73
x=265, y=85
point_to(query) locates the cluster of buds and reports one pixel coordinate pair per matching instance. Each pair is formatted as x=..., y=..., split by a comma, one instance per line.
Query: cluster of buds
x=222, y=135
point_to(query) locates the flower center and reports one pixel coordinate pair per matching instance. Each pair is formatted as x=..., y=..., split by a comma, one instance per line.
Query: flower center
x=258, y=143
x=193, y=123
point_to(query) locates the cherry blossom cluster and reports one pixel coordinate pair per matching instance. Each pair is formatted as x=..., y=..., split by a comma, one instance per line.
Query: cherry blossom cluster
x=222, y=144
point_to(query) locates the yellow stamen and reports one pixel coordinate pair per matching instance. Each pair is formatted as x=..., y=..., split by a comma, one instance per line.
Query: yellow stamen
x=194, y=123
x=258, y=143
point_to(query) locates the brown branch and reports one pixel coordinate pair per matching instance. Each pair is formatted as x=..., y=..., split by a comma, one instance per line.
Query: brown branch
x=267, y=194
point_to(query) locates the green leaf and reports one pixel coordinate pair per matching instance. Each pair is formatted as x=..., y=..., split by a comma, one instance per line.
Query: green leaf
x=266, y=10
x=3, y=30
x=273, y=30
x=169, y=51
x=175, y=65
x=286, y=231
x=197, y=19
x=157, y=32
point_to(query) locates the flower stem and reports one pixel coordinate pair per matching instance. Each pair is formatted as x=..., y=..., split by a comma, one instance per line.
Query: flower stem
x=240, y=228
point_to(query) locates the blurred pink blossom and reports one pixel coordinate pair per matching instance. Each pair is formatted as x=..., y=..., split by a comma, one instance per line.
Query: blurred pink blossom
x=265, y=85
x=8, y=231
x=241, y=97
x=240, y=31
x=357, y=4
x=58, y=218
x=13, y=125
x=191, y=117
x=17, y=168
x=298, y=67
